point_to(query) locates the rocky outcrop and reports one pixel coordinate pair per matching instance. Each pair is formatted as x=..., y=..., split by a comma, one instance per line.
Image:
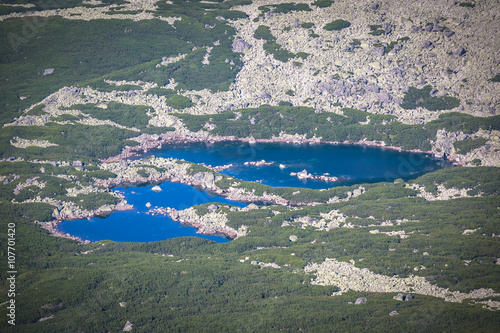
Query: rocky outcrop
x=304, y=175
x=25, y=143
x=442, y=193
x=331, y=220
x=212, y=223
x=348, y=277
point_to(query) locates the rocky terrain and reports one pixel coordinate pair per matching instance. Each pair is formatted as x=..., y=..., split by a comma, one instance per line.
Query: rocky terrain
x=212, y=223
x=389, y=47
x=439, y=43
x=346, y=276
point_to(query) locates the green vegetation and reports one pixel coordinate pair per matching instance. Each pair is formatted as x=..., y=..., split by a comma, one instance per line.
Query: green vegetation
x=467, y=4
x=179, y=102
x=91, y=50
x=496, y=78
x=74, y=141
x=307, y=25
x=143, y=173
x=264, y=32
x=394, y=43
x=65, y=117
x=123, y=114
x=421, y=98
x=323, y=3
x=201, y=286
x=285, y=8
x=193, y=284
x=376, y=30
x=302, y=55
x=467, y=145
x=93, y=201
x=270, y=46
x=37, y=110
x=337, y=25
x=271, y=120
x=485, y=180
x=202, y=282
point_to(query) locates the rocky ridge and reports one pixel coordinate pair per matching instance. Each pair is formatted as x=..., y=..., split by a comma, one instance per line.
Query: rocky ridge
x=348, y=277
x=442, y=193
x=145, y=11
x=212, y=223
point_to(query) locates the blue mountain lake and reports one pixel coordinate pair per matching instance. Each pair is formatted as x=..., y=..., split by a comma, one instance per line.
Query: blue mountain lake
x=351, y=164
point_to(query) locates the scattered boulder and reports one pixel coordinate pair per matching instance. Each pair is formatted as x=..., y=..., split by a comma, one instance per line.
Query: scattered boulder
x=265, y=96
x=383, y=97
x=409, y=297
x=213, y=207
x=449, y=33
x=148, y=204
x=293, y=238
x=252, y=206
x=127, y=327
x=387, y=28
x=174, y=214
x=239, y=45
x=416, y=29
x=399, y=297
x=198, y=176
x=380, y=51
x=209, y=179
x=427, y=44
x=360, y=300
x=393, y=313
x=459, y=52
x=156, y=188
x=48, y=71
x=437, y=28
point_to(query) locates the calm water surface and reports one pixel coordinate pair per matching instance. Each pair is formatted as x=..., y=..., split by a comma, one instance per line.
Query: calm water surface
x=137, y=226
x=352, y=164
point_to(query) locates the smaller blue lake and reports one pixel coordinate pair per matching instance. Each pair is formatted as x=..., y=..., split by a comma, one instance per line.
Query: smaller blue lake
x=137, y=226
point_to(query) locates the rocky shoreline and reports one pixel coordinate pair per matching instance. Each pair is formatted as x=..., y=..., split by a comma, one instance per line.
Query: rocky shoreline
x=200, y=179
x=201, y=227
x=148, y=142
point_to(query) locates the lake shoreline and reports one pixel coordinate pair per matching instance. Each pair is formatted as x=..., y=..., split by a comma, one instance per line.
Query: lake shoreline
x=151, y=142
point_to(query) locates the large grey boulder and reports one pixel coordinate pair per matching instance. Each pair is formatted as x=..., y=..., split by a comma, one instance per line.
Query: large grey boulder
x=380, y=51
x=239, y=45
x=128, y=326
x=459, y=52
x=427, y=44
x=360, y=300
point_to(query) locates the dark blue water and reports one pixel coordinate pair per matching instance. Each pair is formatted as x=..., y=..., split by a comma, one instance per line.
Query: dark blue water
x=352, y=164
x=137, y=226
